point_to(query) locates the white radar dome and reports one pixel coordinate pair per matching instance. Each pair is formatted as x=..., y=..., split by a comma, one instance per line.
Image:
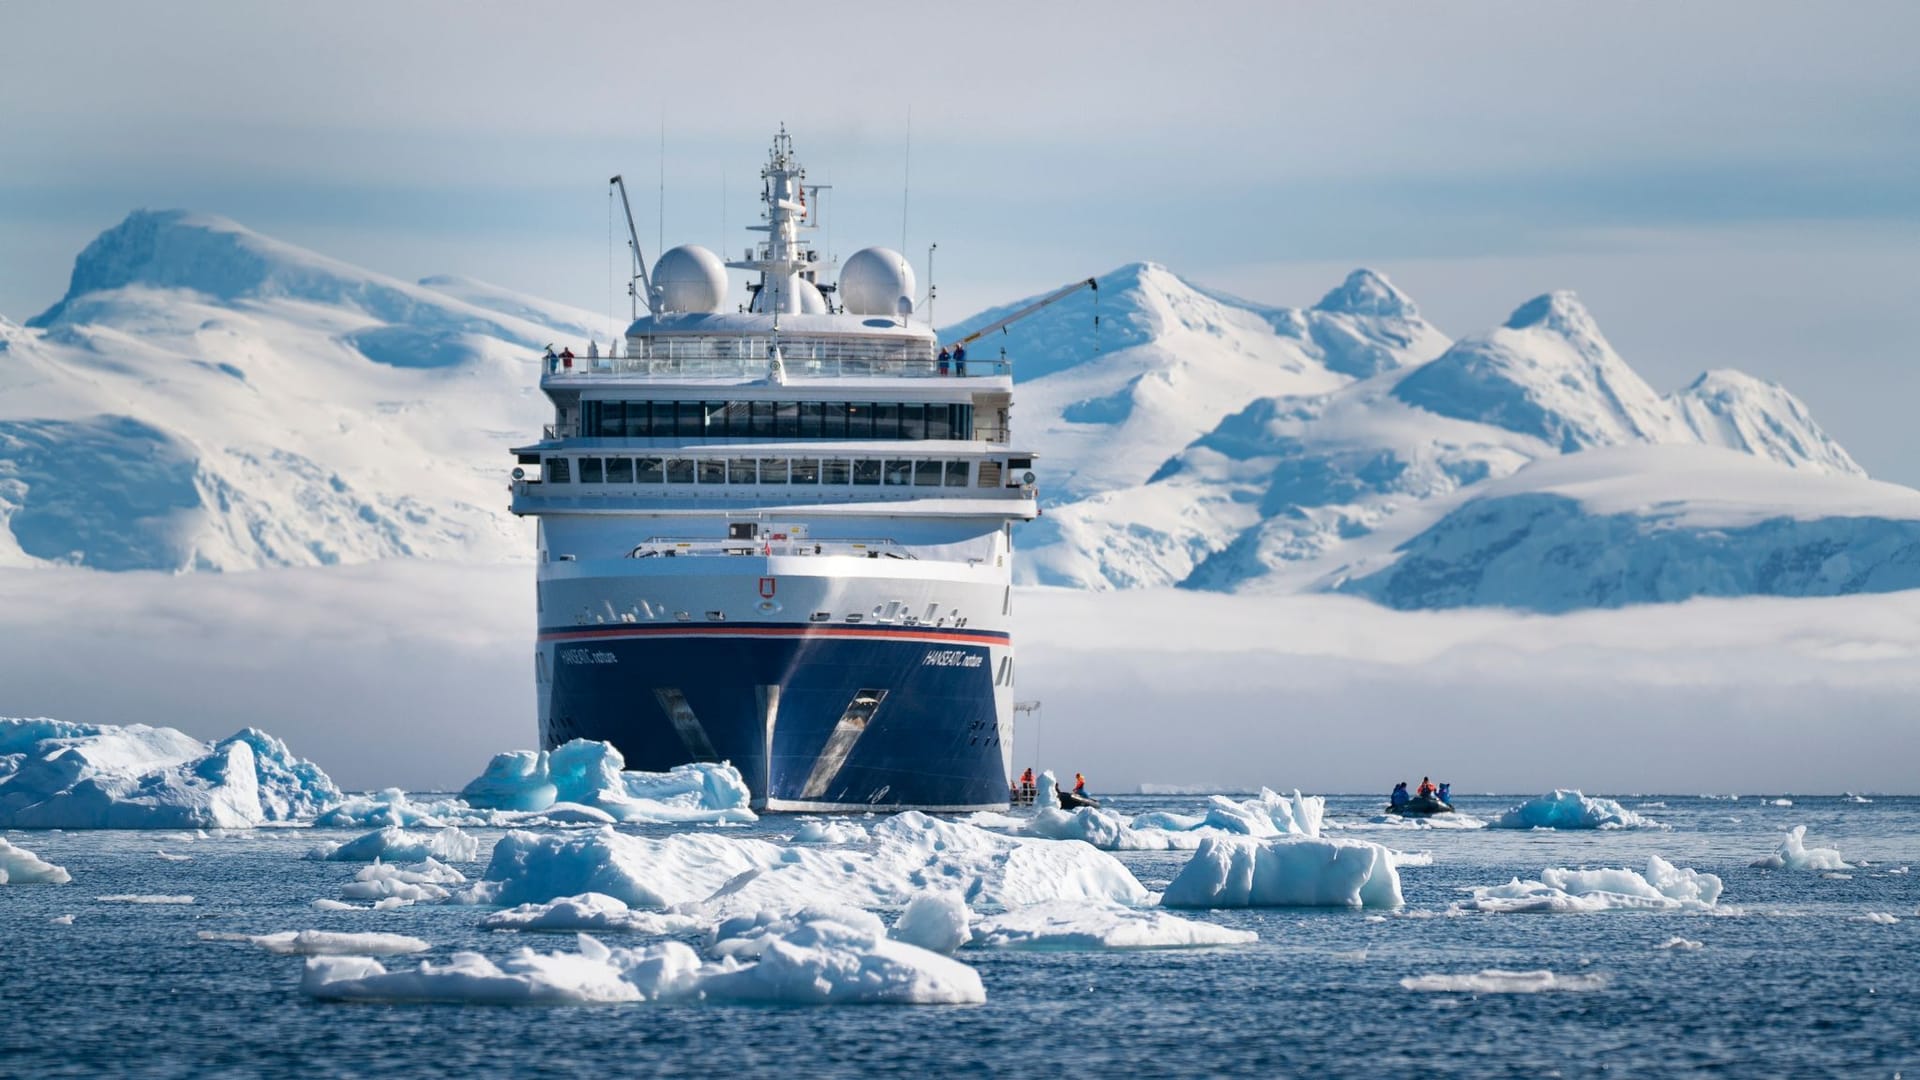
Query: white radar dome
x=690, y=278
x=873, y=281
x=811, y=302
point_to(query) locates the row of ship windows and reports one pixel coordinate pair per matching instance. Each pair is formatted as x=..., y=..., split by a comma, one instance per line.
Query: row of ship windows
x=775, y=420
x=745, y=470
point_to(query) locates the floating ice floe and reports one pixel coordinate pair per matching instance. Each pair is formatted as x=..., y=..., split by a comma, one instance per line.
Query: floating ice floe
x=1496, y=981
x=1782, y=802
x=906, y=854
x=427, y=880
x=1571, y=810
x=59, y=775
x=393, y=807
x=61, y=920
x=1288, y=871
x=171, y=857
x=1881, y=917
x=816, y=961
x=589, y=911
x=1664, y=887
x=397, y=845
x=829, y=832
x=1266, y=814
x=1680, y=944
x=591, y=775
x=821, y=961
x=18, y=866
x=325, y=943
x=935, y=921
x=143, y=898
x=1079, y=926
x=1793, y=854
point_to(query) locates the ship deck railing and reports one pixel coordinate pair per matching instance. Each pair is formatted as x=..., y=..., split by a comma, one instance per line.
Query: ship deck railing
x=827, y=362
x=778, y=544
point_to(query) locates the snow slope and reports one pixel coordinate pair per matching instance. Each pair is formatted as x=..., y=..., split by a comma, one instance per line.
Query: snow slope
x=1657, y=523
x=207, y=398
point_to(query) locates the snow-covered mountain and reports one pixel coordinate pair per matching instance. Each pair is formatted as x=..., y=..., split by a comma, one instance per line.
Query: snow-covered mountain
x=204, y=397
x=208, y=398
x=1643, y=524
x=1307, y=491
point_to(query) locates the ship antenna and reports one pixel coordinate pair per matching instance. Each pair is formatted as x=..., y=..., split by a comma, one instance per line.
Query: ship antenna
x=906, y=179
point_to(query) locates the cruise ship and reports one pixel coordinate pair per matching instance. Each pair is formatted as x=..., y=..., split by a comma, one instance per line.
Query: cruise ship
x=777, y=530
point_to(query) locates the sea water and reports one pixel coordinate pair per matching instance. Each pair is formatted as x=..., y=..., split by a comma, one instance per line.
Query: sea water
x=1789, y=976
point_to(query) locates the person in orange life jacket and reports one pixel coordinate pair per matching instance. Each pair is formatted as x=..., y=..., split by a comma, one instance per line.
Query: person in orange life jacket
x=1426, y=788
x=1079, y=784
x=1026, y=780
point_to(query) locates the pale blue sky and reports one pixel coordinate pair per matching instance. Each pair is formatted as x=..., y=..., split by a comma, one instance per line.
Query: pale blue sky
x=1724, y=184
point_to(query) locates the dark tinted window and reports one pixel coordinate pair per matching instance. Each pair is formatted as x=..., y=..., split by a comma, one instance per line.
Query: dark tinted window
x=810, y=419
x=786, y=419
x=713, y=471
x=866, y=471
x=590, y=470
x=899, y=473
x=762, y=420
x=680, y=470
x=773, y=470
x=913, y=421
x=886, y=420
x=556, y=471
x=927, y=473
x=806, y=470
x=956, y=474
x=619, y=470
x=690, y=424
x=741, y=471
x=859, y=420
x=939, y=421
x=835, y=471
x=647, y=471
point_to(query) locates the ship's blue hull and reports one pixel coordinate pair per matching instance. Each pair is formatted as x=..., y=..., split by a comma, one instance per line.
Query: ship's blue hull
x=813, y=717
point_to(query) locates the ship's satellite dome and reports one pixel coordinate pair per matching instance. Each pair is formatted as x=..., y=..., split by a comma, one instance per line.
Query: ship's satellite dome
x=873, y=281
x=690, y=278
x=811, y=302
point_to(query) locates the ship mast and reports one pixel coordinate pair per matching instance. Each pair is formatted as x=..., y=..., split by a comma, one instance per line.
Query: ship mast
x=782, y=260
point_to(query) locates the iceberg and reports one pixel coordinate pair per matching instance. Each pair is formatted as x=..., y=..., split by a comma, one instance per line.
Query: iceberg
x=1105, y=830
x=821, y=961
x=396, y=845
x=593, y=775
x=1286, y=871
x=392, y=807
x=1099, y=926
x=59, y=775
x=1496, y=981
x=911, y=853
x=1664, y=887
x=1267, y=814
x=325, y=943
x=935, y=921
x=640, y=871
x=589, y=911
x=422, y=881
x=1794, y=854
x=18, y=866
x=1571, y=810
x=830, y=832
x=723, y=876
x=816, y=960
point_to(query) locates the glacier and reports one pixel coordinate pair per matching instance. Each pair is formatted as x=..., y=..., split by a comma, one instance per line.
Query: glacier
x=60, y=775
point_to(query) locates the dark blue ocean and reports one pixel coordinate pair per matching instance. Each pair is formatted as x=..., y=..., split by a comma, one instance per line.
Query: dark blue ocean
x=1790, y=979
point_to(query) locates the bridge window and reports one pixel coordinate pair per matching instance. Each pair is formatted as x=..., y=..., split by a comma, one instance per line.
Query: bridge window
x=810, y=419
x=913, y=421
x=590, y=470
x=939, y=422
x=806, y=470
x=927, y=473
x=680, y=470
x=647, y=470
x=786, y=419
x=859, y=420
x=556, y=471
x=619, y=470
x=773, y=470
x=691, y=422
x=713, y=471
x=742, y=471
x=956, y=474
x=836, y=471
x=886, y=420
x=866, y=471
x=899, y=473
